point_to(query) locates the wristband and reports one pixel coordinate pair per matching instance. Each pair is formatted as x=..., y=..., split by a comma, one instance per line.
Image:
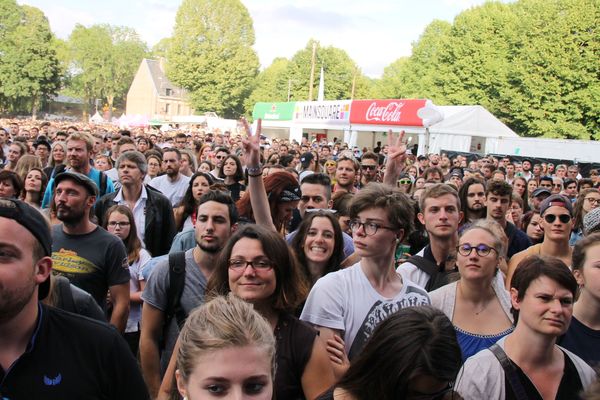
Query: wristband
x=254, y=171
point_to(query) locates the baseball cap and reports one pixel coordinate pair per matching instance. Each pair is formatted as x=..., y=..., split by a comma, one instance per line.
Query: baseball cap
x=556, y=200
x=32, y=220
x=42, y=141
x=290, y=193
x=540, y=191
x=80, y=179
x=591, y=221
x=306, y=158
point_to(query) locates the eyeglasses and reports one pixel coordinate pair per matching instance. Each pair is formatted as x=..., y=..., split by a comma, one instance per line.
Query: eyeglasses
x=405, y=181
x=592, y=200
x=369, y=167
x=370, y=228
x=261, y=264
x=113, y=224
x=481, y=249
x=220, y=157
x=563, y=218
x=330, y=164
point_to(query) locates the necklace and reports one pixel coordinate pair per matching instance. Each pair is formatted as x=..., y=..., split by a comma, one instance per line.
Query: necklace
x=483, y=308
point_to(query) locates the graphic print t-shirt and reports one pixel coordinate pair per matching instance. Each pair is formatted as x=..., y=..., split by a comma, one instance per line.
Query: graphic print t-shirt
x=345, y=300
x=92, y=262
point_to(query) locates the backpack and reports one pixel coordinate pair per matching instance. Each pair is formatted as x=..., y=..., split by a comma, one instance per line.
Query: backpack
x=174, y=292
x=437, y=278
x=103, y=178
x=65, y=295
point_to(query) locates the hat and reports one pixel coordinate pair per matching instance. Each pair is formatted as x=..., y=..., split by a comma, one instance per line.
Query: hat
x=421, y=157
x=42, y=141
x=32, y=220
x=290, y=193
x=591, y=221
x=81, y=179
x=540, y=191
x=556, y=200
x=306, y=158
x=456, y=172
x=568, y=181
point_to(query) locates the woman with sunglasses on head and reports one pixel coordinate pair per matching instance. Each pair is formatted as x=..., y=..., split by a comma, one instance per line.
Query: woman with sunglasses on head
x=413, y=354
x=557, y=222
x=330, y=168
x=257, y=266
x=269, y=202
x=477, y=303
x=587, y=200
x=120, y=222
x=532, y=366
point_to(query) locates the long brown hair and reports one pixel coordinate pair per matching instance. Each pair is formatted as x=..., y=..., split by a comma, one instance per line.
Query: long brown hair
x=132, y=243
x=578, y=212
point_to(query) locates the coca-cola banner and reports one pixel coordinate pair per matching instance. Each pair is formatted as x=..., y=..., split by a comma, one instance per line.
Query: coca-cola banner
x=387, y=112
x=336, y=112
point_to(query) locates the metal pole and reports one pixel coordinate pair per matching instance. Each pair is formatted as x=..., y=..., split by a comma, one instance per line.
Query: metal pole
x=312, y=72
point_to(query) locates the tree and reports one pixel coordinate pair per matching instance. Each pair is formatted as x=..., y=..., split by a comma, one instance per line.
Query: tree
x=104, y=60
x=340, y=72
x=271, y=85
x=29, y=68
x=211, y=55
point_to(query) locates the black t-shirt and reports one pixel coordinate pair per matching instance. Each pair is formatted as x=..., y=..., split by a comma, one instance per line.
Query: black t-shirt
x=583, y=341
x=92, y=262
x=73, y=357
x=569, y=388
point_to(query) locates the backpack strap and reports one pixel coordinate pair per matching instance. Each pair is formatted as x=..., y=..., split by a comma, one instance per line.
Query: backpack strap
x=67, y=302
x=510, y=371
x=175, y=290
x=429, y=268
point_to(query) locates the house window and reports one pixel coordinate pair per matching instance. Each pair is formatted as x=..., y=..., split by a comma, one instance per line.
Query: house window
x=169, y=92
x=167, y=108
x=178, y=109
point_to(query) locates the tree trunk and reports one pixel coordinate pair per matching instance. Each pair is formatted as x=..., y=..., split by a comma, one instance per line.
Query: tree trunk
x=35, y=103
x=110, y=99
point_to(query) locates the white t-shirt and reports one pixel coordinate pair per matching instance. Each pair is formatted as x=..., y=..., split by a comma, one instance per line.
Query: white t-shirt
x=174, y=191
x=135, y=271
x=345, y=300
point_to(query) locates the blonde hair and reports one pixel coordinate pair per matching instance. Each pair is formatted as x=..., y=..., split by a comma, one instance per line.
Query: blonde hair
x=25, y=164
x=223, y=322
x=84, y=137
x=494, y=229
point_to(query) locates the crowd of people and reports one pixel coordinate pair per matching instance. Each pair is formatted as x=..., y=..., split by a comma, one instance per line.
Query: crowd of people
x=199, y=264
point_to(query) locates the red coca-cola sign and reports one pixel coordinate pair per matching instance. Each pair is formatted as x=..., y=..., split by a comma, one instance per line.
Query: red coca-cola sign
x=386, y=112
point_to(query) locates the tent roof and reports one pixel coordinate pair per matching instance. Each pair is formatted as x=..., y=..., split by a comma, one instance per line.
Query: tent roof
x=472, y=121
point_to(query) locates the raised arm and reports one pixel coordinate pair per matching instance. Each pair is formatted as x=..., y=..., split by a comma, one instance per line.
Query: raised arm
x=396, y=158
x=256, y=186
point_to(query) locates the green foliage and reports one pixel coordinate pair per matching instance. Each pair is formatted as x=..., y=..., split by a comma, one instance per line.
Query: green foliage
x=104, y=60
x=29, y=68
x=532, y=63
x=271, y=85
x=211, y=55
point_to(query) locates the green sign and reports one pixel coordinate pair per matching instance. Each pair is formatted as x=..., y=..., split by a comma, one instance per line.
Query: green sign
x=274, y=111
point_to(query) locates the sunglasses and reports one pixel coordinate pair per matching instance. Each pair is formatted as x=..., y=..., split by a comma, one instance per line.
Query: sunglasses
x=404, y=181
x=330, y=164
x=563, y=218
x=369, y=167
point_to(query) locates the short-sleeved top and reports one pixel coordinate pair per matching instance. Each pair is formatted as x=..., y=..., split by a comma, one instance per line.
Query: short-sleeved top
x=73, y=357
x=135, y=273
x=345, y=300
x=174, y=191
x=583, y=341
x=155, y=294
x=294, y=347
x=93, y=261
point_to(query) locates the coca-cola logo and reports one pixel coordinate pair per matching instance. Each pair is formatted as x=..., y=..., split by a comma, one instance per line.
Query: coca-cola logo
x=389, y=113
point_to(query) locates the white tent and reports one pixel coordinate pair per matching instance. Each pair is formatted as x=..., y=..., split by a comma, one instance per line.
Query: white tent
x=96, y=118
x=465, y=128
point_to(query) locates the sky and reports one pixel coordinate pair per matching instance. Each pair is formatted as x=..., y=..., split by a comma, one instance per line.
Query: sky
x=374, y=33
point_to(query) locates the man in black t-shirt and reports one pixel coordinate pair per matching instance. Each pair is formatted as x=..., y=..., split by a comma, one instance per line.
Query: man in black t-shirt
x=47, y=353
x=93, y=259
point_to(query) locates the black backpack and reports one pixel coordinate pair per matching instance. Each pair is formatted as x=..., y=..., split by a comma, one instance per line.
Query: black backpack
x=437, y=278
x=174, y=292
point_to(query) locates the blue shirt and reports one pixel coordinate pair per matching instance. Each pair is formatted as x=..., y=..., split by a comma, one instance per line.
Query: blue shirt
x=94, y=175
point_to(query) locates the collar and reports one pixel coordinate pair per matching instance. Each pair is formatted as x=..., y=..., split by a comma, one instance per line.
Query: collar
x=38, y=325
x=119, y=196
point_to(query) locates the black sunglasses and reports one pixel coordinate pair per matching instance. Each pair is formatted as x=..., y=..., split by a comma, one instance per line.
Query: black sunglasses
x=563, y=218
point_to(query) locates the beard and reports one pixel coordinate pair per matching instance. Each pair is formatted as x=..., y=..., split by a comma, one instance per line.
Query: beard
x=69, y=215
x=212, y=248
x=14, y=299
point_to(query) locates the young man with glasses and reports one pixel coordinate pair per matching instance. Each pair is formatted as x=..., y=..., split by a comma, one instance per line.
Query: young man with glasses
x=557, y=222
x=350, y=303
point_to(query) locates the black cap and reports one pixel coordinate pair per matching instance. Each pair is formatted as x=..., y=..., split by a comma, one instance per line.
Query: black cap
x=306, y=158
x=81, y=179
x=32, y=220
x=42, y=141
x=556, y=200
x=539, y=191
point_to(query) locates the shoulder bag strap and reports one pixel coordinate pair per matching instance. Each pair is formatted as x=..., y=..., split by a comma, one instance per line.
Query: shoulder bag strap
x=510, y=371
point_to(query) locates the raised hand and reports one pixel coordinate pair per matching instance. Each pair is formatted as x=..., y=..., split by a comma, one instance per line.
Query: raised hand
x=251, y=144
x=396, y=158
